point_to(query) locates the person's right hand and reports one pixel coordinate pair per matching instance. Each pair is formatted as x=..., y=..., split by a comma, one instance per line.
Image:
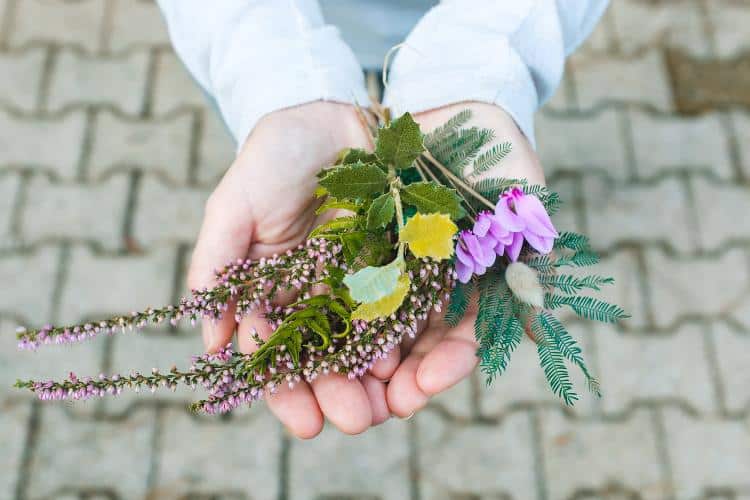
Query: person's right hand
x=265, y=205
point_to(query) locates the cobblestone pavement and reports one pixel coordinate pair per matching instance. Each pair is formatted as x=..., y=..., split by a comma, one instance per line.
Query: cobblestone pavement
x=108, y=152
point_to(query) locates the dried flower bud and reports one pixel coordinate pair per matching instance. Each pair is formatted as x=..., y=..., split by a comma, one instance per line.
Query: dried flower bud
x=523, y=281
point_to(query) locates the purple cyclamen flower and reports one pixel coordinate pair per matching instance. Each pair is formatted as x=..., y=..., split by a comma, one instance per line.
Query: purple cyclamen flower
x=474, y=255
x=525, y=216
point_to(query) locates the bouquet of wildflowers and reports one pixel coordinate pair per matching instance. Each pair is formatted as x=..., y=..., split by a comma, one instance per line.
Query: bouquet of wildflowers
x=422, y=233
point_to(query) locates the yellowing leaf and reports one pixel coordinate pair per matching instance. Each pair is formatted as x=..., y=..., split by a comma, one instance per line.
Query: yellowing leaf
x=385, y=306
x=429, y=235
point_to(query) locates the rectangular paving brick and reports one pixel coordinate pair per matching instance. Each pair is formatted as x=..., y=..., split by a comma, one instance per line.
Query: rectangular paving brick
x=627, y=290
x=346, y=457
x=217, y=149
x=583, y=142
x=592, y=455
x=641, y=79
x=161, y=146
x=22, y=75
x=137, y=23
x=14, y=419
x=702, y=286
x=253, y=442
x=168, y=214
x=731, y=348
x=473, y=460
x=30, y=280
x=58, y=22
x=567, y=218
x=457, y=400
x=723, y=219
x=73, y=453
x=670, y=142
x=78, y=78
x=707, y=453
x=10, y=185
x=729, y=21
x=174, y=88
x=62, y=211
x=619, y=214
x=649, y=367
x=99, y=285
x=741, y=121
x=20, y=139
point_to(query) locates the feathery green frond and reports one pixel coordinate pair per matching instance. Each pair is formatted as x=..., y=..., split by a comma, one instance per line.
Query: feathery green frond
x=587, y=307
x=493, y=188
x=491, y=157
x=572, y=241
x=553, y=362
x=459, y=302
x=450, y=127
x=461, y=147
x=569, y=284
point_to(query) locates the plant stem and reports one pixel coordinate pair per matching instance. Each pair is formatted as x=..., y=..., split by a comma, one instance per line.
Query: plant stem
x=395, y=192
x=446, y=172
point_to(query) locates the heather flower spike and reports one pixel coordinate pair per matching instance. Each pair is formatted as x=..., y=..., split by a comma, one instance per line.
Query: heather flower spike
x=364, y=283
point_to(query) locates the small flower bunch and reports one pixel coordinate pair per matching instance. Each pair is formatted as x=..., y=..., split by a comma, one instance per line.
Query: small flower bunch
x=363, y=281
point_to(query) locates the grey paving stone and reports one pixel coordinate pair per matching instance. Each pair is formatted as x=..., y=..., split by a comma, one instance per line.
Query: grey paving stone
x=22, y=75
x=457, y=401
x=77, y=453
x=14, y=419
x=567, y=217
x=168, y=214
x=62, y=211
x=590, y=455
x=100, y=285
x=642, y=367
x=731, y=351
x=664, y=143
x=221, y=459
x=707, y=453
x=374, y=464
x=174, y=88
x=58, y=22
x=583, y=143
x=729, y=21
x=20, y=140
x=601, y=38
x=77, y=80
x=707, y=286
x=160, y=146
x=30, y=280
x=640, y=79
x=10, y=184
x=136, y=23
x=618, y=214
x=475, y=460
x=741, y=120
x=641, y=25
x=217, y=150
x=627, y=290
x=721, y=220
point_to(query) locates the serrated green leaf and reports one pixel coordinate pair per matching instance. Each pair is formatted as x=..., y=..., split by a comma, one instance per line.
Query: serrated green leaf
x=429, y=197
x=355, y=155
x=381, y=211
x=400, y=143
x=373, y=283
x=359, y=180
x=336, y=226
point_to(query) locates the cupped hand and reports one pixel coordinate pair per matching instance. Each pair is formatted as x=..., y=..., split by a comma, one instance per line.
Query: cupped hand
x=441, y=356
x=264, y=205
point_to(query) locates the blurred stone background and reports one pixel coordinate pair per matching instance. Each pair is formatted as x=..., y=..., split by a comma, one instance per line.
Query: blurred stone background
x=108, y=152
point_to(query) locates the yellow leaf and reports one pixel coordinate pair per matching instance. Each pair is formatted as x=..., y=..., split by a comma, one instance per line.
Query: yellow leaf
x=385, y=306
x=430, y=235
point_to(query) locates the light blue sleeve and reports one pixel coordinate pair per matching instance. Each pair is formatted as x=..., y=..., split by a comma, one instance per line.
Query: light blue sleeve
x=510, y=53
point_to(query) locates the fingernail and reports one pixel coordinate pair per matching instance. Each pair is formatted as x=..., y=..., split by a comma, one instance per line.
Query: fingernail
x=404, y=418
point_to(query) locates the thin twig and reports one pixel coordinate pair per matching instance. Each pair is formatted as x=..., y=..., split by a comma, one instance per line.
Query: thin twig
x=446, y=172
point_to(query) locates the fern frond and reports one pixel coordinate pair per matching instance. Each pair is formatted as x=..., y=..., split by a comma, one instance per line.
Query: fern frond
x=570, y=284
x=553, y=363
x=587, y=307
x=493, y=188
x=454, y=123
x=541, y=263
x=459, y=302
x=491, y=157
x=550, y=200
x=572, y=241
x=461, y=147
x=581, y=258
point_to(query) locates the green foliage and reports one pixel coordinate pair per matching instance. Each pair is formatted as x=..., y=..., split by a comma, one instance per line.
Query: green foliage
x=459, y=148
x=552, y=361
x=373, y=283
x=429, y=197
x=359, y=180
x=491, y=157
x=358, y=156
x=375, y=249
x=581, y=258
x=587, y=307
x=334, y=204
x=400, y=143
x=450, y=127
x=381, y=211
x=335, y=227
x=492, y=188
x=570, y=284
x=459, y=302
x=572, y=241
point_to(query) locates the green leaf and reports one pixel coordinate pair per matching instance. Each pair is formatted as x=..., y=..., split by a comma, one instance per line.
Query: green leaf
x=381, y=211
x=375, y=250
x=352, y=241
x=400, y=143
x=572, y=241
x=492, y=188
x=429, y=197
x=454, y=123
x=553, y=363
x=373, y=283
x=567, y=283
x=359, y=180
x=358, y=155
x=587, y=307
x=333, y=204
x=491, y=157
x=335, y=226
x=459, y=302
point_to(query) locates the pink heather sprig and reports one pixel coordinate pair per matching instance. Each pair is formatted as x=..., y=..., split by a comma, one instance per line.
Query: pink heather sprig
x=518, y=217
x=252, y=283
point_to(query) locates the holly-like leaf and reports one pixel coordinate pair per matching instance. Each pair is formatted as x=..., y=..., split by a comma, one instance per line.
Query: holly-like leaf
x=359, y=180
x=386, y=305
x=355, y=155
x=381, y=211
x=373, y=283
x=429, y=197
x=400, y=143
x=429, y=235
x=334, y=204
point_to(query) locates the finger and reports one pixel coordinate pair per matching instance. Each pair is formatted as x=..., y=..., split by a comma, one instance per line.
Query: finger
x=297, y=409
x=375, y=390
x=450, y=361
x=344, y=402
x=384, y=368
x=404, y=395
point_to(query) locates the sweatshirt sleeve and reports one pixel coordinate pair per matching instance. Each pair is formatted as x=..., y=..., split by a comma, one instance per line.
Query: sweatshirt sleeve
x=257, y=56
x=509, y=53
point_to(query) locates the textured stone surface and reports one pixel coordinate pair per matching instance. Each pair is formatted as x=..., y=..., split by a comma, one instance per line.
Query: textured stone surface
x=10, y=184
x=174, y=88
x=75, y=24
x=167, y=214
x=137, y=24
x=22, y=74
x=14, y=420
x=32, y=276
x=722, y=220
x=731, y=348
